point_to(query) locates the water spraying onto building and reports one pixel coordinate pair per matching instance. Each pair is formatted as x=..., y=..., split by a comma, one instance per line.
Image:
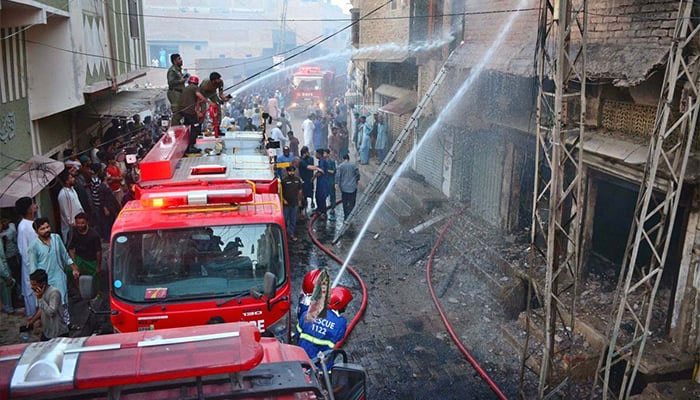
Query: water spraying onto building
x=449, y=108
x=384, y=48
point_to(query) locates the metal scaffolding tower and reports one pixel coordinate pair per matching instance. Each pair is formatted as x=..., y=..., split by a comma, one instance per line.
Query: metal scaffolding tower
x=392, y=161
x=655, y=213
x=557, y=196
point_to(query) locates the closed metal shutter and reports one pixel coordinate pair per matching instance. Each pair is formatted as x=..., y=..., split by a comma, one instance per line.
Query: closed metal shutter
x=477, y=174
x=462, y=167
x=429, y=161
x=396, y=123
x=487, y=179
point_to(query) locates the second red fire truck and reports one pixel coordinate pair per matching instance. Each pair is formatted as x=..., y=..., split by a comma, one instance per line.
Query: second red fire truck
x=310, y=87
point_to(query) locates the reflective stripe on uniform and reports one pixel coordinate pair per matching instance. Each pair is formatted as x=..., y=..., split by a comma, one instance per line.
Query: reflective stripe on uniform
x=314, y=340
x=298, y=327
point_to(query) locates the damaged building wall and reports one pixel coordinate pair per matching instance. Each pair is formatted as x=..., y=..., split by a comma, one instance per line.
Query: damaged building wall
x=482, y=110
x=483, y=153
x=483, y=148
x=628, y=39
x=685, y=320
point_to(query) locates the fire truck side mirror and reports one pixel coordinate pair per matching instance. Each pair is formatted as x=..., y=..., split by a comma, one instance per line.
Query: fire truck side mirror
x=349, y=381
x=87, y=287
x=269, y=285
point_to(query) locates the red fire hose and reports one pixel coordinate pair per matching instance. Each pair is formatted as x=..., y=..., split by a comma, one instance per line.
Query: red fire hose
x=213, y=114
x=448, y=326
x=445, y=321
x=352, y=271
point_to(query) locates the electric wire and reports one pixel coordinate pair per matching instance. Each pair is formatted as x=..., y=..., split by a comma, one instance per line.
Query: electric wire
x=396, y=17
x=327, y=37
x=250, y=61
x=34, y=24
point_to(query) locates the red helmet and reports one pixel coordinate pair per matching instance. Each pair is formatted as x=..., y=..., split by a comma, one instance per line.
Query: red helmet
x=340, y=298
x=310, y=281
x=194, y=80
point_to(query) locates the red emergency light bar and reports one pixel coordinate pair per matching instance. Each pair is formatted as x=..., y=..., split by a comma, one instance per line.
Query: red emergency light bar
x=161, y=161
x=208, y=170
x=196, y=197
x=309, y=70
x=52, y=368
x=260, y=186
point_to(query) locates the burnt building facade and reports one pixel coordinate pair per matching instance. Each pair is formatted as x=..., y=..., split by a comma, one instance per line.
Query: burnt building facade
x=483, y=151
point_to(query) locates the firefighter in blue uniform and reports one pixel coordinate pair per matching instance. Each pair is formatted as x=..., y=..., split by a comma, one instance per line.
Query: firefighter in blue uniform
x=324, y=333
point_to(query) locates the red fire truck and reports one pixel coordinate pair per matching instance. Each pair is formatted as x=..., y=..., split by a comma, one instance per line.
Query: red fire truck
x=221, y=361
x=310, y=87
x=196, y=245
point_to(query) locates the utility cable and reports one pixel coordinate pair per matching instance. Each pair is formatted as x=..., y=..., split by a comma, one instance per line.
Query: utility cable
x=34, y=24
x=328, y=37
x=397, y=17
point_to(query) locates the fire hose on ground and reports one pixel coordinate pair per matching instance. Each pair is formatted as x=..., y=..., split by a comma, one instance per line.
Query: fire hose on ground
x=443, y=316
x=480, y=370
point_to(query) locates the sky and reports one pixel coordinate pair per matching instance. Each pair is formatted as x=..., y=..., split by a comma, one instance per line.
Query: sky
x=344, y=4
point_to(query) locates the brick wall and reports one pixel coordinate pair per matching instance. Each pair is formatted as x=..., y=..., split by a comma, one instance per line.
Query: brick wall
x=631, y=22
x=373, y=32
x=628, y=38
x=485, y=21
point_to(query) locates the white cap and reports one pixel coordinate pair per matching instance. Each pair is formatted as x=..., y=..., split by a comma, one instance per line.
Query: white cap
x=279, y=124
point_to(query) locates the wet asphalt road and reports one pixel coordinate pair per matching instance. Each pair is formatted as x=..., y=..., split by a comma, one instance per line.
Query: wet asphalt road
x=401, y=341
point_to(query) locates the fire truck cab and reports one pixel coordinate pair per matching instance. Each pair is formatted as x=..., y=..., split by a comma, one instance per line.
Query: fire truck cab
x=222, y=361
x=310, y=87
x=203, y=236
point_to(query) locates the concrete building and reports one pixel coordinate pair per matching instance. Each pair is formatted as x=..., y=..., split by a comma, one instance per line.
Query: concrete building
x=58, y=59
x=484, y=151
x=235, y=36
x=384, y=74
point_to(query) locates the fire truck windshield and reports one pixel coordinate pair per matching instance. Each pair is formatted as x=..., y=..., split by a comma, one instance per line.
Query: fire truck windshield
x=199, y=262
x=307, y=82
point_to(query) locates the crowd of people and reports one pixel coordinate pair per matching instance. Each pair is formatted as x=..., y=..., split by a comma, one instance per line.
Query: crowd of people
x=39, y=270
x=315, y=164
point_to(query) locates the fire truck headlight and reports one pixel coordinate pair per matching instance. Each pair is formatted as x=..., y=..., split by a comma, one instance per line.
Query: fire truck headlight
x=280, y=329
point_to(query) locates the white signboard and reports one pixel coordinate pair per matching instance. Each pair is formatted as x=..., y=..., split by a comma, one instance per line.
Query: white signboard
x=278, y=62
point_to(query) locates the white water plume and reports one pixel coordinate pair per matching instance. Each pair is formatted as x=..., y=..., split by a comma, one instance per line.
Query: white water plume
x=384, y=48
x=449, y=108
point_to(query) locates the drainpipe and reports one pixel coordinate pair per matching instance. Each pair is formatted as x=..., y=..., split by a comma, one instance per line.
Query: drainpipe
x=110, y=40
x=74, y=131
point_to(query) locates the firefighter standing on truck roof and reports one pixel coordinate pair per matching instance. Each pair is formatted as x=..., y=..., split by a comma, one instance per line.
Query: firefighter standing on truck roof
x=176, y=85
x=192, y=102
x=213, y=89
x=323, y=334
